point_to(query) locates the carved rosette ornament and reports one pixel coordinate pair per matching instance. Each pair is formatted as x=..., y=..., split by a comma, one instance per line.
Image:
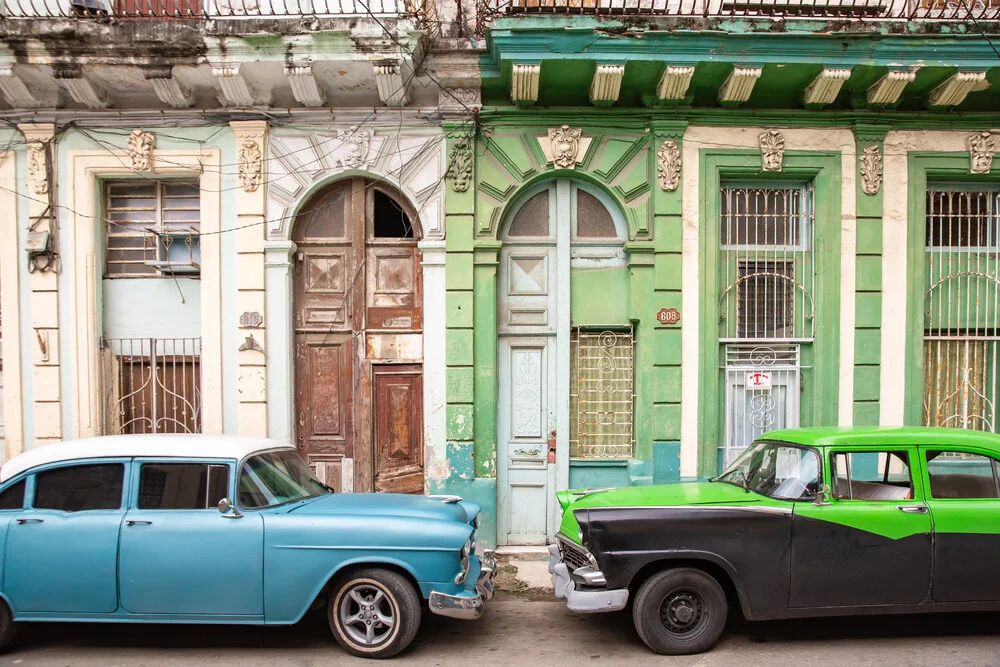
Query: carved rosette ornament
x=981, y=149
x=772, y=149
x=251, y=164
x=460, y=167
x=38, y=176
x=565, y=143
x=871, y=169
x=668, y=165
x=356, y=145
x=140, y=149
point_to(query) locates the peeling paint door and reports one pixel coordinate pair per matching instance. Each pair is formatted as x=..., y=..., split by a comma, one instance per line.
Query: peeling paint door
x=533, y=346
x=358, y=342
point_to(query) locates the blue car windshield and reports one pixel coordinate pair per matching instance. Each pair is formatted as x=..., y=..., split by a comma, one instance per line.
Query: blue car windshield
x=276, y=478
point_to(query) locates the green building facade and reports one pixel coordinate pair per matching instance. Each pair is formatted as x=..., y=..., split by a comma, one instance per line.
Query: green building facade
x=666, y=237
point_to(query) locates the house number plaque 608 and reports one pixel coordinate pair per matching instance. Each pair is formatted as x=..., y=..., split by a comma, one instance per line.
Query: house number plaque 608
x=668, y=316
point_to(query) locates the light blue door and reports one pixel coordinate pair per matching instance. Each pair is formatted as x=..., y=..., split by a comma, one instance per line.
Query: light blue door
x=179, y=555
x=61, y=553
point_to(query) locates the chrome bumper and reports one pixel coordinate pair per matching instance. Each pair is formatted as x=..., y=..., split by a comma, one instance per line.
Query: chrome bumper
x=584, y=601
x=469, y=604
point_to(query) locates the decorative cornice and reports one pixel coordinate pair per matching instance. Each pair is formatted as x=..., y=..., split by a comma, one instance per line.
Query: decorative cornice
x=524, y=83
x=304, y=86
x=739, y=84
x=954, y=91
x=826, y=86
x=674, y=83
x=606, y=85
x=888, y=89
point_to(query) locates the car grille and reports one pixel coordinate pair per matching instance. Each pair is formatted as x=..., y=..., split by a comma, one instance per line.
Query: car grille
x=574, y=556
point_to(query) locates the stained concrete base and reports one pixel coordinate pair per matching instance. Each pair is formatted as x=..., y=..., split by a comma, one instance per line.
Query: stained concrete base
x=534, y=573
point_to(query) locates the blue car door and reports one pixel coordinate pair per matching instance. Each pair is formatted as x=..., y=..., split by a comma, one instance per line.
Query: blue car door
x=61, y=551
x=179, y=555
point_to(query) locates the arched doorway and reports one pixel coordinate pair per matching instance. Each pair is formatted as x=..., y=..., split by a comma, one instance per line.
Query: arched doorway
x=358, y=347
x=553, y=231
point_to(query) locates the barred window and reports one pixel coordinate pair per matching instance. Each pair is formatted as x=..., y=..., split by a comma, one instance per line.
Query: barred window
x=601, y=393
x=762, y=217
x=962, y=218
x=766, y=300
x=152, y=228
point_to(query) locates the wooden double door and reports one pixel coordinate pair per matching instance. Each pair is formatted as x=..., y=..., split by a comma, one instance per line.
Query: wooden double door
x=358, y=323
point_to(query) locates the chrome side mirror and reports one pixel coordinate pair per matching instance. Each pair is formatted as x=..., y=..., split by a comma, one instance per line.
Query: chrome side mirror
x=225, y=507
x=823, y=495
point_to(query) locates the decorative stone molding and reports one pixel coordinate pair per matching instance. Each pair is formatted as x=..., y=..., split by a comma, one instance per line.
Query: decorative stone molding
x=606, y=85
x=236, y=90
x=393, y=88
x=888, y=89
x=356, y=146
x=304, y=86
x=981, y=149
x=772, y=150
x=956, y=88
x=250, y=160
x=38, y=176
x=140, y=149
x=826, y=86
x=564, y=146
x=460, y=165
x=871, y=169
x=299, y=163
x=524, y=84
x=460, y=98
x=674, y=83
x=82, y=90
x=668, y=165
x=168, y=89
x=15, y=90
x=739, y=84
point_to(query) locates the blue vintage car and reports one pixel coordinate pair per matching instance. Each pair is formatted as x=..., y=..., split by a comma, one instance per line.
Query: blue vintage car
x=214, y=529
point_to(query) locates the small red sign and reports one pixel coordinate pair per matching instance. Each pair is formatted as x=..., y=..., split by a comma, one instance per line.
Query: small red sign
x=668, y=316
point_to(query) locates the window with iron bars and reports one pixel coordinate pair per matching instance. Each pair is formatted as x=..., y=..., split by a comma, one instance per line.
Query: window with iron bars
x=152, y=228
x=766, y=263
x=151, y=385
x=602, y=392
x=961, y=306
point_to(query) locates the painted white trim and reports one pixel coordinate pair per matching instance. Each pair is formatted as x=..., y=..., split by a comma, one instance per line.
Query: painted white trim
x=436, y=465
x=10, y=304
x=747, y=138
x=83, y=229
x=895, y=224
x=281, y=346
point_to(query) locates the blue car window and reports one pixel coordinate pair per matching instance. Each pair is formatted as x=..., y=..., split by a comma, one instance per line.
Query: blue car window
x=80, y=488
x=276, y=478
x=182, y=486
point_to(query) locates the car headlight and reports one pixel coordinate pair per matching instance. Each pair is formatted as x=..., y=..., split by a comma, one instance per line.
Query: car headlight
x=466, y=552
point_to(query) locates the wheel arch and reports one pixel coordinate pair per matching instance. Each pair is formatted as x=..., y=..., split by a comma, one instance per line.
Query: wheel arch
x=348, y=567
x=713, y=565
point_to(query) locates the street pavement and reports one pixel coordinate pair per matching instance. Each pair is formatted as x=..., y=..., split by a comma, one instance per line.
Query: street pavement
x=523, y=632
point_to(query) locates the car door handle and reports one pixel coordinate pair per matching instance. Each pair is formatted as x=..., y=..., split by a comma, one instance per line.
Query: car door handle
x=132, y=522
x=913, y=509
x=24, y=521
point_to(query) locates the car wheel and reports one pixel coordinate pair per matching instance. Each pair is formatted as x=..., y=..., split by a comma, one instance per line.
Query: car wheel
x=374, y=613
x=8, y=628
x=680, y=611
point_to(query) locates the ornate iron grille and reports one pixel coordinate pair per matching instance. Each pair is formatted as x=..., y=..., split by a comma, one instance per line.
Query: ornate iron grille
x=151, y=385
x=762, y=393
x=961, y=307
x=766, y=263
x=602, y=392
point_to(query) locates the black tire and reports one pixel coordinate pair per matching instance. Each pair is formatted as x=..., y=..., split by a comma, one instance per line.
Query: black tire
x=373, y=597
x=8, y=627
x=680, y=611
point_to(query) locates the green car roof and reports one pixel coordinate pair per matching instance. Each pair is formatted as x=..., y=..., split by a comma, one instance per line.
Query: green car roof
x=885, y=435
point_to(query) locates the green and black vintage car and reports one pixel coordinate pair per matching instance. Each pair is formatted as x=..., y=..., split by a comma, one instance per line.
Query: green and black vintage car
x=806, y=522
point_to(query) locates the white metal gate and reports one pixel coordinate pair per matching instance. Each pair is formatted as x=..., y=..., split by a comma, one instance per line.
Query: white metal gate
x=961, y=307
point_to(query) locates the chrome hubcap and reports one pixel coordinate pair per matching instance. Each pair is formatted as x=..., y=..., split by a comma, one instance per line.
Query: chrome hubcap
x=367, y=614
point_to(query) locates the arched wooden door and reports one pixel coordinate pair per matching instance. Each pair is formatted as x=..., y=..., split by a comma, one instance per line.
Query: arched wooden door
x=358, y=342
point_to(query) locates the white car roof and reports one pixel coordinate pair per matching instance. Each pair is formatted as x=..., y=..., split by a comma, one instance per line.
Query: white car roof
x=181, y=445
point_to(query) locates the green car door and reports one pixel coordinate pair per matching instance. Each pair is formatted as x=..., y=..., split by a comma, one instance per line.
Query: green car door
x=871, y=543
x=964, y=500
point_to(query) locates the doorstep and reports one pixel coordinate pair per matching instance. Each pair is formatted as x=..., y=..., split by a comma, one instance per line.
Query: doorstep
x=522, y=553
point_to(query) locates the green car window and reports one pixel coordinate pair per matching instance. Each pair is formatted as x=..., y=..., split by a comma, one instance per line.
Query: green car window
x=962, y=475
x=777, y=470
x=872, y=476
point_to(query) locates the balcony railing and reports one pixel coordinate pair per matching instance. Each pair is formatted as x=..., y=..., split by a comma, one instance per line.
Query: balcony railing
x=899, y=10
x=204, y=9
